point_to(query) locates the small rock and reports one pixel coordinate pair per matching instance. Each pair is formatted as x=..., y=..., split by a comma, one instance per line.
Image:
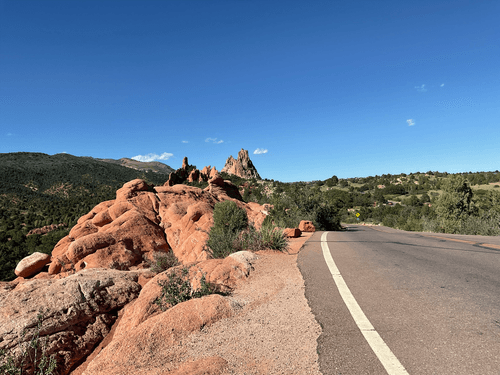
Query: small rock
x=292, y=232
x=32, y=264
x=307, y=226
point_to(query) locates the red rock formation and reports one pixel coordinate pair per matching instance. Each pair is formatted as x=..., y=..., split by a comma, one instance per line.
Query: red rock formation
x=292, y=232
x=218, y=186
x=213, y=173
x=306, y=226
x=125, y=232
x=77, y=312
x=223, y=273
x=184, y=174
x=31, y=264
x=205, y=174
x=136, y=351
x=118, y=234
x=185, y=164
x=194, y=175
x=45, y=229
x=241, y=167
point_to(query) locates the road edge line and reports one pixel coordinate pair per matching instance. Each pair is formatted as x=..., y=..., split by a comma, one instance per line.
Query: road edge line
x=378, y=345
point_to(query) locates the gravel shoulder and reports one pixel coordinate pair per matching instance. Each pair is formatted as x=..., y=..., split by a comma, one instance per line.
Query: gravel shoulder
x=275, y=331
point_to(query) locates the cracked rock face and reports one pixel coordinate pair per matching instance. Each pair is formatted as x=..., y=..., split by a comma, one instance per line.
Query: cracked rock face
x=78, y=312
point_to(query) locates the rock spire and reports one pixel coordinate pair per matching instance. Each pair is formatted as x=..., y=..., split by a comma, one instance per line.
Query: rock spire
x=241, y=167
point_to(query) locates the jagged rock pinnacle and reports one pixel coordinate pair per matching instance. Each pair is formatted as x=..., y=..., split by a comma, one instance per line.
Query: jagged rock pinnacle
x=241, y=167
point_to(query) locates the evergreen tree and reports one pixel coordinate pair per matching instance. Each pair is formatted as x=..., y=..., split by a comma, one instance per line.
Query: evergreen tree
x=455, y=204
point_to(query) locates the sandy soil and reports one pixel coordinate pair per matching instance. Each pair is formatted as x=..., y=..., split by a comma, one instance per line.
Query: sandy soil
x=275, y=331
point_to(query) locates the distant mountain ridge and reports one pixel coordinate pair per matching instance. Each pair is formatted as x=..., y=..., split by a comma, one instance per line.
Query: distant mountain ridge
x=154, y=166
x=36, y=173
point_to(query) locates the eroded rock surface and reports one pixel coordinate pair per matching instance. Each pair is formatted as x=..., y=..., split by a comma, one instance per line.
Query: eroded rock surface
x=78, y=312
x=147, y=347
x=118, y=234
x=222, y=273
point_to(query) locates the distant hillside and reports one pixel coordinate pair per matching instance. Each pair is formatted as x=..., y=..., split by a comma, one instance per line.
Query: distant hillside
x=153, y=166
x=36, y=173
x=39, y=190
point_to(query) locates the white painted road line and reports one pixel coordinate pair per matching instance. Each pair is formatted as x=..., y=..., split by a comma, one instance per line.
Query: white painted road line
x=379, y=347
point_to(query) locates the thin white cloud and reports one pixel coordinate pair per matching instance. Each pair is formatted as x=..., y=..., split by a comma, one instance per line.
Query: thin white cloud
x=153, y=157
x=260, y=151
x=421, y=88
x=185, y=141
x=214, y=140
x=410, y=122
x=9, y=134
x=441, y=85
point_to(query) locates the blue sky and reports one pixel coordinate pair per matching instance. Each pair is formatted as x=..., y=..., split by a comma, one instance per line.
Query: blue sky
x=311, y=88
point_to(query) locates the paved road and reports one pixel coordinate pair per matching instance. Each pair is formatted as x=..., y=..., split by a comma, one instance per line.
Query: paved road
x=434, y=300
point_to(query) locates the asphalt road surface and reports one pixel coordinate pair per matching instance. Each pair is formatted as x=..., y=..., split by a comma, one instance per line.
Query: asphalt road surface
x=433, y=299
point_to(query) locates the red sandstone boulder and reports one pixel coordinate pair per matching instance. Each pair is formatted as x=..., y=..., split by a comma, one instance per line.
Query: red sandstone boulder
x=222, y=273
x=138, y=351
x=223, y=189
x=78, y=312
x=119, y=234
x=292, y=232
x=186, y=217
x=307, y=226
x=31, y=264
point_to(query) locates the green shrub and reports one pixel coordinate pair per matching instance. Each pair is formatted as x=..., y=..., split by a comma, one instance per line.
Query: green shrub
x=273, y=238
x=327, y=217
x=163, y=261
x=229, y=221
x=268, y=237
x=229, y=216
x=33, y=357
x=178, y=289
x=486, y=225
x=249, y=239
x=431, y=225
x=285, y=218
x=221, y=242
